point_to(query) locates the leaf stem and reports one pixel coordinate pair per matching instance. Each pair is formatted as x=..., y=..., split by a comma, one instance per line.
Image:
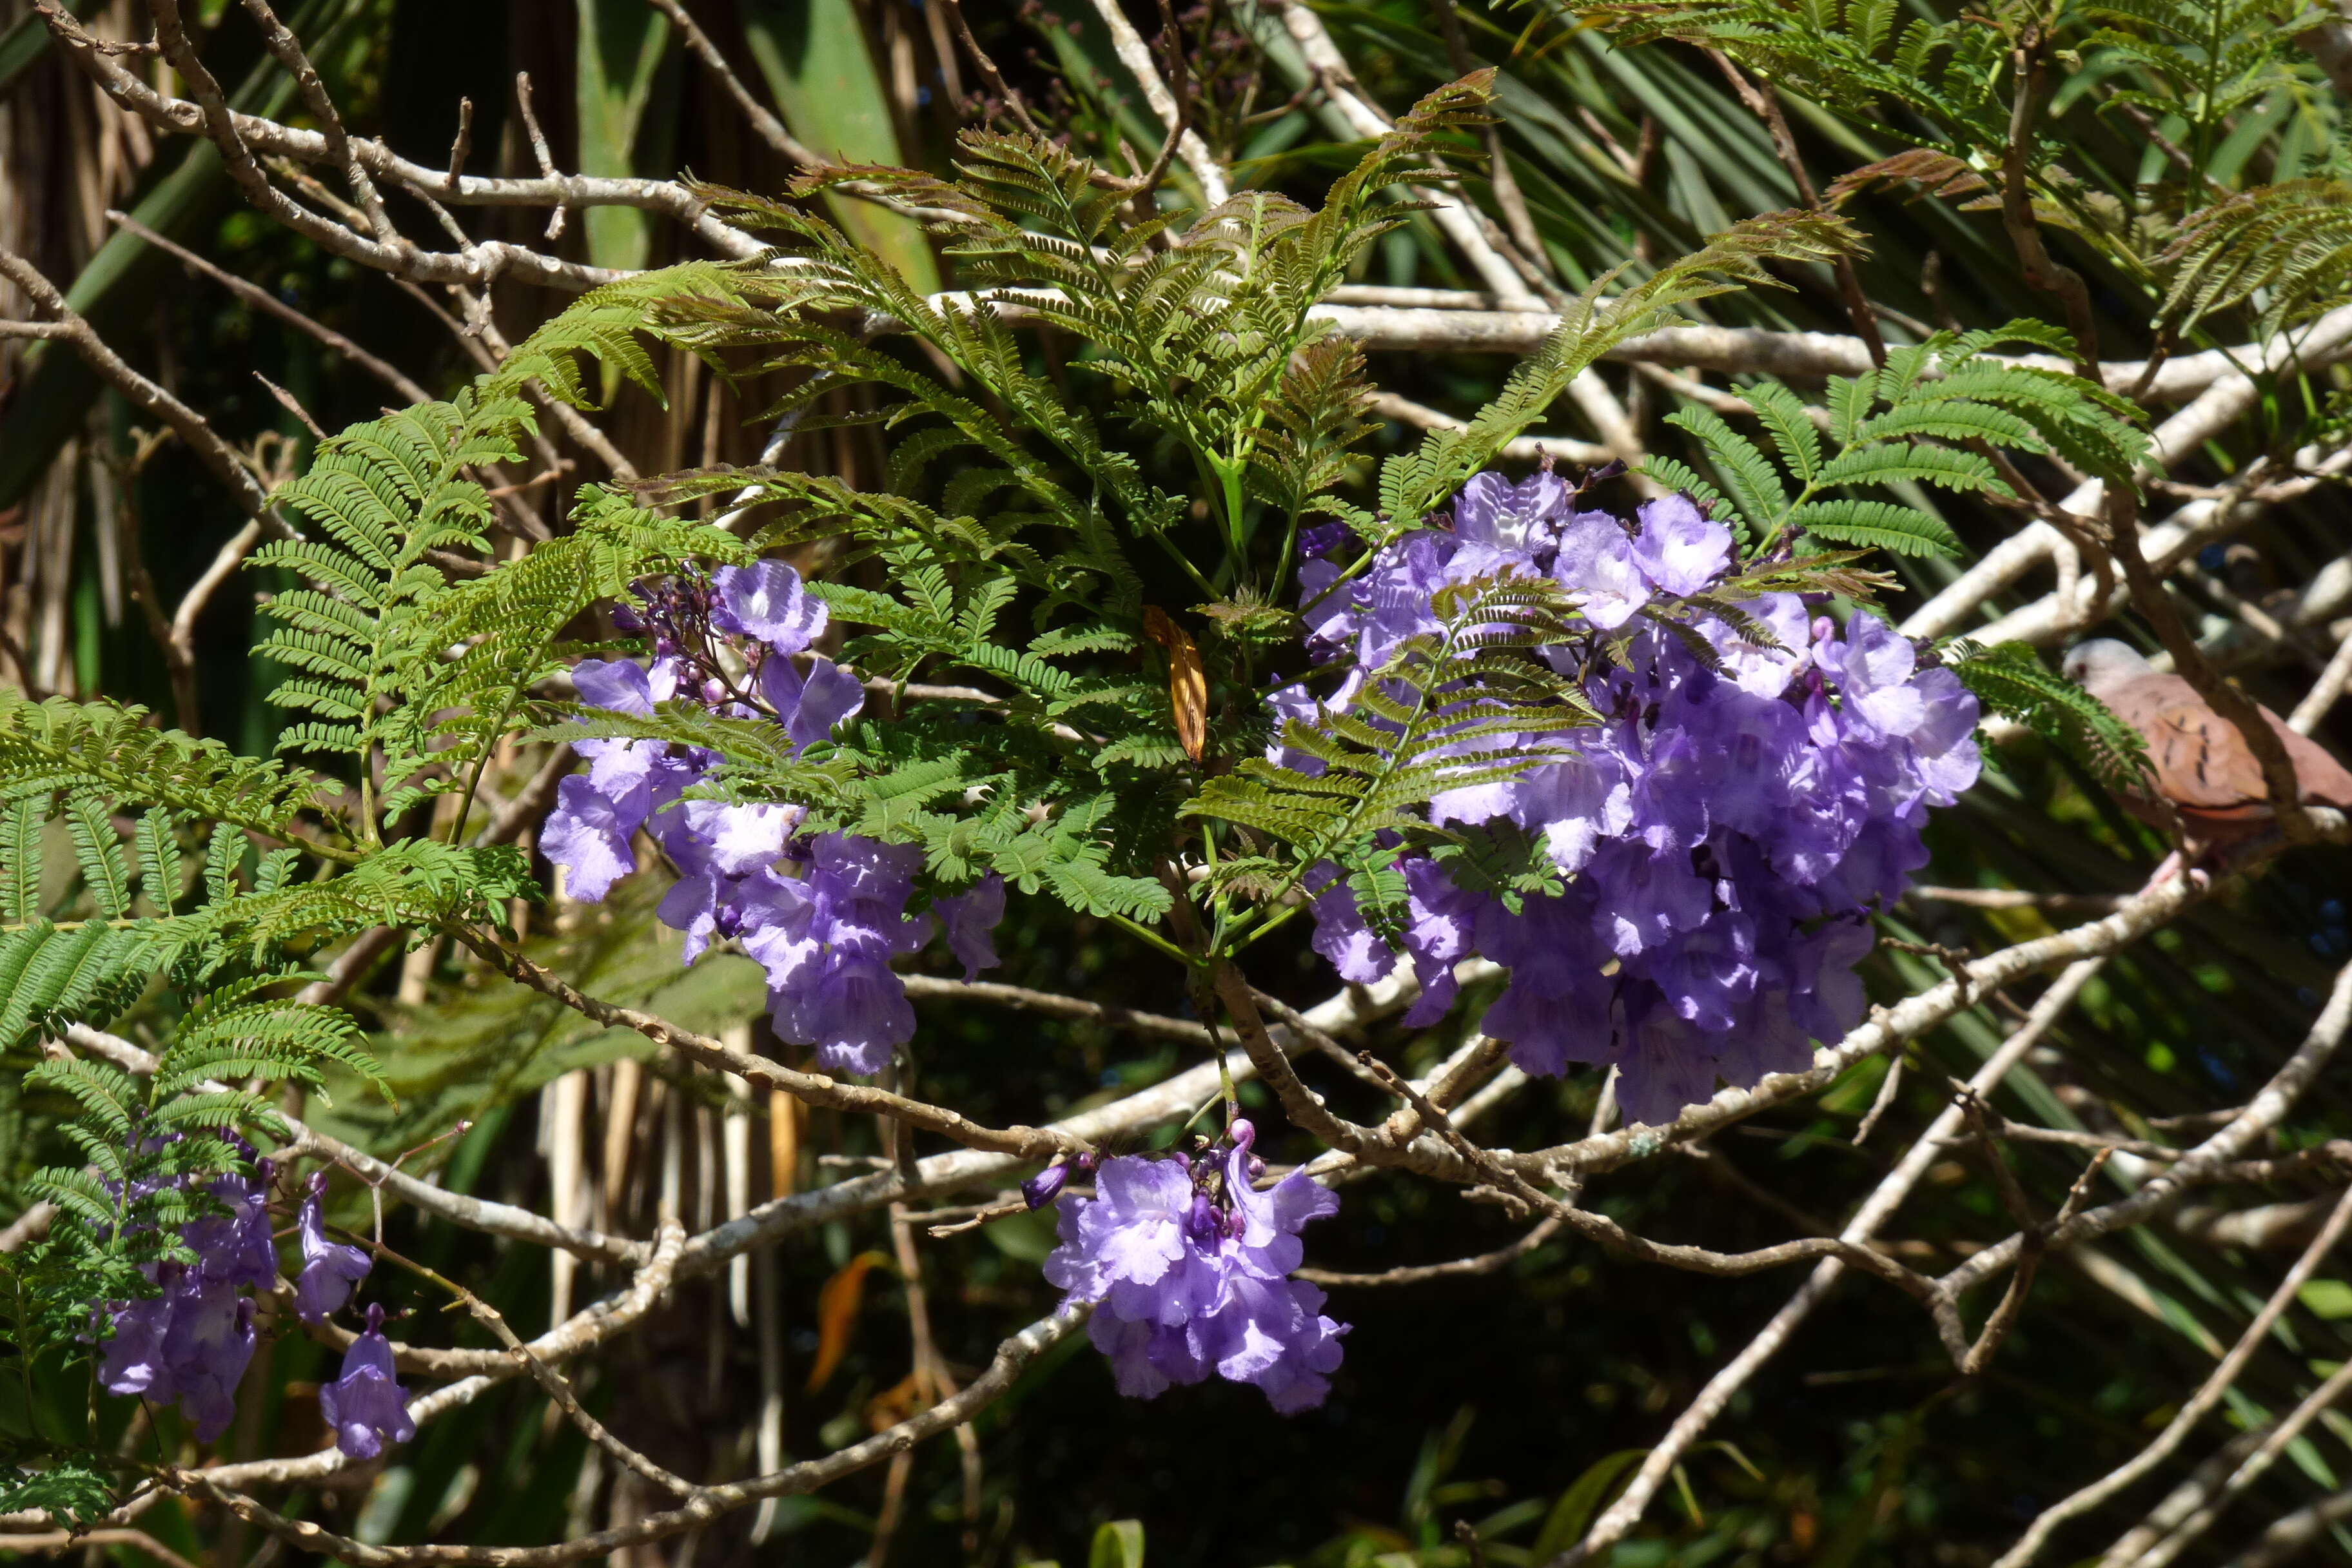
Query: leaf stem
x=1146, y=933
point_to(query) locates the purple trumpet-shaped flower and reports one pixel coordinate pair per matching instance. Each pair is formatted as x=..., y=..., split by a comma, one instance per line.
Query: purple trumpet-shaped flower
x=767, y=601
x=330, y=1269
x=364, y=1405
x=810, y=705
x=1725, y=827
x=587, y=833
x=1679, y=550
x=1598, y=565
x=210, y=1346
x=234, y=1249
x=970, y=919
x=1522, y=519
x=627, y=781
x=1188, y=1268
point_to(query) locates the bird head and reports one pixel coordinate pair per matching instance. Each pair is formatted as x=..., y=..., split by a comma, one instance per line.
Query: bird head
x=2103, y=661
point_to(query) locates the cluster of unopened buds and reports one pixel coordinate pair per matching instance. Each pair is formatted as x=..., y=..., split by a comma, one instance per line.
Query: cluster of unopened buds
x=190, y=1342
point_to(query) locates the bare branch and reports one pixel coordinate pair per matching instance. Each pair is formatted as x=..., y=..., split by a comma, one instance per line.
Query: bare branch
x=2324, y=692
x=1543, y=1230
x=763, y=120
x=2199, y=1406
x=815, y=1088
x=1137, y=58
x=475, y=1213
x=539, y=149
x=262, y=300
x=45, y=1542
x=2261, y=1113
x=185, y=422
x=280, y=41
x=2250, y=1469
x=1879, y=1207
x=707, y=1503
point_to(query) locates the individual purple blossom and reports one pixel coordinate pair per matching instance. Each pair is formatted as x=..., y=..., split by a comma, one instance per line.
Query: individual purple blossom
x=1188, y=1265
x=1723, y=828
x=627, y=781
x=588, y=834
x=364, y=1406
x=1596, y=563
x=1321, y=540
x=1873, y=668
x=235, y=1248
x=1677, y=548
x=810, y=705
x=330, y=1269
x=767, y=601
x=210, y=1345
x=1047, y=1185
x=1524, y=518
x=1342, y=936
x=970, y=919
x=735, y=840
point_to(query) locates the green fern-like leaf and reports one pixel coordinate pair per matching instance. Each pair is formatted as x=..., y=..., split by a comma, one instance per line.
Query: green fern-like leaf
x=110, y=750
x=1452, y=709
x=2010, y=679
x=1904, y=530
x=1416, y=483
x=2289, y=243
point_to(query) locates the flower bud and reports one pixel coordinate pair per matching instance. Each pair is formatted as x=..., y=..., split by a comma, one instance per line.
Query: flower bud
x=1044, y=1187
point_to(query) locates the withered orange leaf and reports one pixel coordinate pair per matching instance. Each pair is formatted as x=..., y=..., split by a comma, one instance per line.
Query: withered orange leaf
x=1188, y=680
x=837, y=1314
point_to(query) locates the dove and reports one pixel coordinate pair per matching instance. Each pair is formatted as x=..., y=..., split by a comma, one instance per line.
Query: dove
x=2207, y=784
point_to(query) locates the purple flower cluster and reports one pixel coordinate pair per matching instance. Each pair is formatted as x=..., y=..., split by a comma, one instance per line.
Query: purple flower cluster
x=190, y=1342
x=1722, y=834
x=1188, y=1266
x=824, y=914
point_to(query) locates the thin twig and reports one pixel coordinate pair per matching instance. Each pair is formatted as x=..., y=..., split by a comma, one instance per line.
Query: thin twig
x=815, y=1088
x=1013, y=1357
x=215, y=454
x=460, y=146
x=538, y=150
x=1765, y=103
x=262, y=300
x=1543, y=1230
x=1881, y=1205
x=2200, y=1404
x=771, y=130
